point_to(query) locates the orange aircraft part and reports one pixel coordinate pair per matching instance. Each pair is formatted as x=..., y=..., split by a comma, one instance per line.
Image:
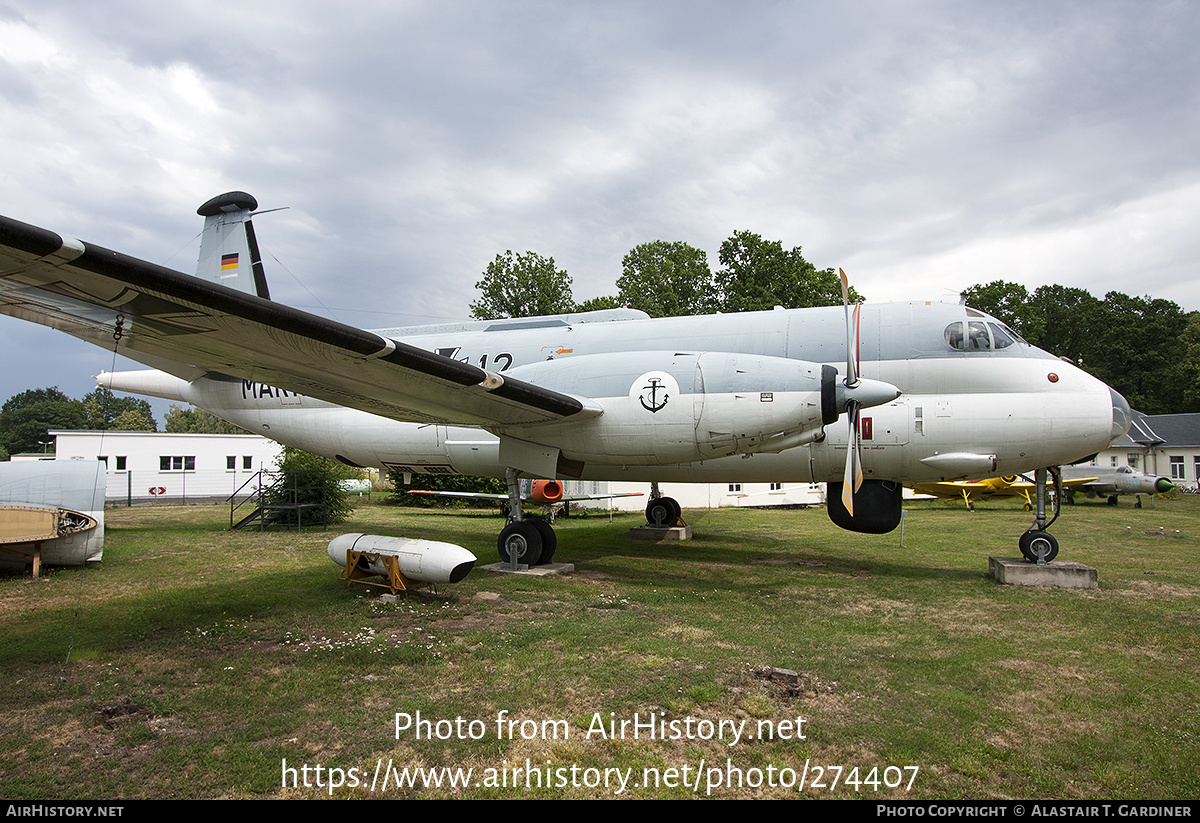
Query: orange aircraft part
x=546, y=491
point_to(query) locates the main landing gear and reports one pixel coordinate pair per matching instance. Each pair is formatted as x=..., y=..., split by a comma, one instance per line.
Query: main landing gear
x=524, y=543
x=1037, y=544
x=662, y=512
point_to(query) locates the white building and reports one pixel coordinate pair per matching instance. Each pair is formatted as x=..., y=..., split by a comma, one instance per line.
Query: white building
x=165, y=467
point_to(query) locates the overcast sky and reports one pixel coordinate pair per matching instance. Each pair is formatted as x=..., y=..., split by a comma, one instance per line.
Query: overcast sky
x=922, y=146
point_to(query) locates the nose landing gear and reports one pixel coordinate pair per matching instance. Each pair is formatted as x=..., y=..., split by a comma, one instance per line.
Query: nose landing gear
x=1037, y=544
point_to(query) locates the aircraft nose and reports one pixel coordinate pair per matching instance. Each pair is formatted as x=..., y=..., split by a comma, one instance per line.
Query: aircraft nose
x=1122, y=416
x=1162, y=485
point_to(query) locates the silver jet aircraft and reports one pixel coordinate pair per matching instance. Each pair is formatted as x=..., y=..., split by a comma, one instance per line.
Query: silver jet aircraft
x=1111, y=481
x=864, y=401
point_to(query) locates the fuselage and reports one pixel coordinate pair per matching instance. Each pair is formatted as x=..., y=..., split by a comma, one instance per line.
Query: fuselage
x=976, y=401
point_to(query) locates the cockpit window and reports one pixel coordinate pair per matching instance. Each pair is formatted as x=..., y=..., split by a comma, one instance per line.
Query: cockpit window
x=977, y=336
x=1000, y=338
x=954, y=337
x=980, y=336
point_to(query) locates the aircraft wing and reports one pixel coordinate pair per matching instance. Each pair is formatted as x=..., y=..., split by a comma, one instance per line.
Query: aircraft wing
x=995, y=487
x=524, y=497
x=950, y=489
x=164, y=317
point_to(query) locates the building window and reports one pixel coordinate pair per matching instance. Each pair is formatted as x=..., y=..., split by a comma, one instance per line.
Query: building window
x=1177, y=469
x=175, y=463
x=247, y=462
x=103, y=459
x=230, y=462
x=1133, y=461
x=1114, y=461
x=121, y=463
x=735, y=487
x=776, y=487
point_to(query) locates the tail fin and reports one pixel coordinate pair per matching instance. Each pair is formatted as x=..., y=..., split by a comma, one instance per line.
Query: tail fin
x=228, y=250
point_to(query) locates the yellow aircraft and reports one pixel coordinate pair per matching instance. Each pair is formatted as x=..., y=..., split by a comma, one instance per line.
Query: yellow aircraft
x=1011, y=486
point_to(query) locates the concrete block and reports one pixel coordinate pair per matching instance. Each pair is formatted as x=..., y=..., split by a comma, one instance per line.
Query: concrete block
x=657, y=534
x=1017, y=571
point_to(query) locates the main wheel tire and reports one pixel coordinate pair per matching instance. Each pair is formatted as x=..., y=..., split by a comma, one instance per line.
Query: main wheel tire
x=521, y=540
x=549, y=540
x=662, y=512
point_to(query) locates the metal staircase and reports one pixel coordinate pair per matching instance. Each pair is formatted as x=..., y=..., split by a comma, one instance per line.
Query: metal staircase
x=290, y=498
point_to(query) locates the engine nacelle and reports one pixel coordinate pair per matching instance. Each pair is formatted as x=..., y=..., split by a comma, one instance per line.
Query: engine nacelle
x=675, y=407
x=424, y=561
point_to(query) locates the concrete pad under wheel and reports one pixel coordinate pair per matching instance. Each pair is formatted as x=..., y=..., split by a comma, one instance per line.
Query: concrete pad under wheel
x=1017, y=571
x=532, y=571
x=656, y=534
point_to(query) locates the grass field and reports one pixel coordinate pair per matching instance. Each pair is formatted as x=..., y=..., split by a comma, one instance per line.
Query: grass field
x=205, y=664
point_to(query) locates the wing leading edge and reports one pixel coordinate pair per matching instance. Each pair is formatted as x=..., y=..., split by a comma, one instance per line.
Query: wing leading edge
x=154, y=313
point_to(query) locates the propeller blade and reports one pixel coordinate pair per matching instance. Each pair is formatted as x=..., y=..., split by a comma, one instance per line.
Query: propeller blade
x=852, y=480
x=857, y=352
x=851, y=332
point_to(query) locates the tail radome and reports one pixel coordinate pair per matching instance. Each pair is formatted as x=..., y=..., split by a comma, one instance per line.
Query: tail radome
x=228, y=249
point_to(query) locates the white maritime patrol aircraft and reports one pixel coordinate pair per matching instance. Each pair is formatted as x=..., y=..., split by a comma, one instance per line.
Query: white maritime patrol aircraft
x=928, y=391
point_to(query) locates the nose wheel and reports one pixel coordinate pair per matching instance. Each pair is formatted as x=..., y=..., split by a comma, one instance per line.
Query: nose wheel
x=1038, y=546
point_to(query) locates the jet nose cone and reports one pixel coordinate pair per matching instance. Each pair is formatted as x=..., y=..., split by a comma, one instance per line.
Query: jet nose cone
x=1162, y=485
x=1122, y=416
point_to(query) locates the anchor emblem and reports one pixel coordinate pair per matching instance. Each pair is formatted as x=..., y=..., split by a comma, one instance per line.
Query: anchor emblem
x=655, y=404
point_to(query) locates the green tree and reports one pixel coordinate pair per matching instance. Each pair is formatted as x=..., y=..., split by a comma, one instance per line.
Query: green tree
x=179, y=420
x=133, y=420
x=1138, y=351
x=1008, y=302
x=757, y=275
x=667, y=280
x=597, y=303
x=26, y=418
x=522, y=285
x=443, y=483
x=101, y=408
x=311, y=480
